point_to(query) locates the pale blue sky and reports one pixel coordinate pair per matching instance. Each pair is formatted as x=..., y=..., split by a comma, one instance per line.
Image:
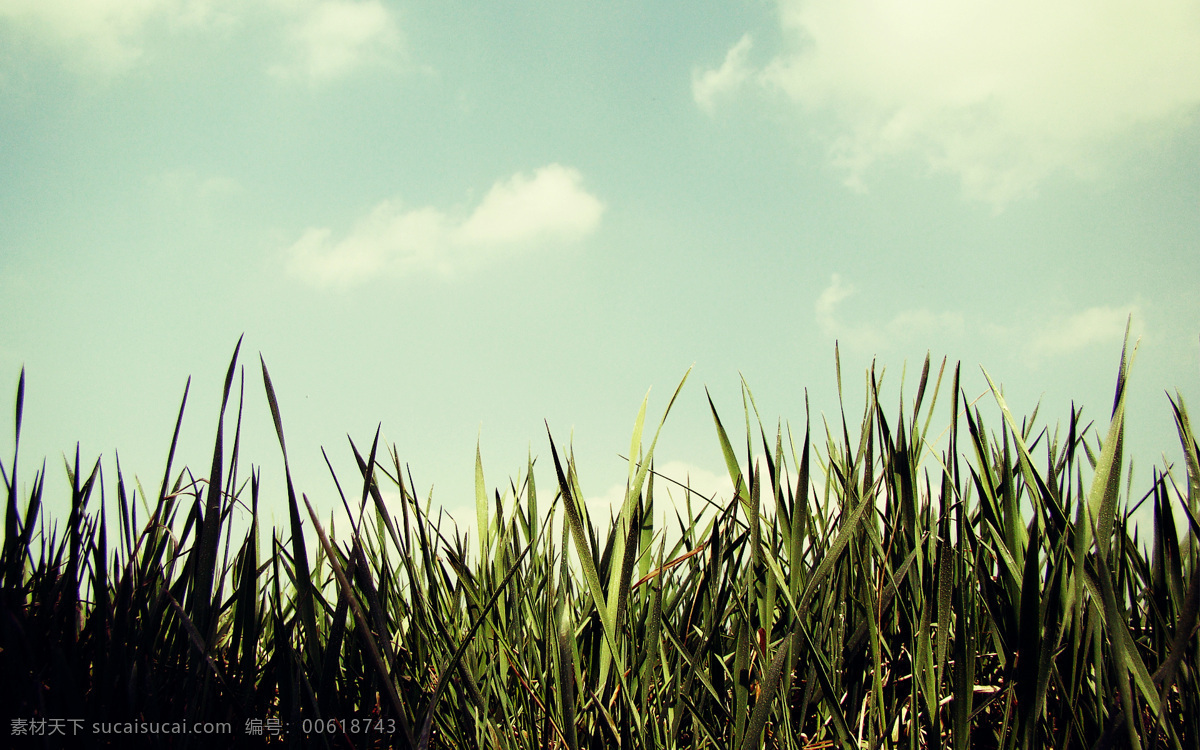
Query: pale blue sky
x=462, y=219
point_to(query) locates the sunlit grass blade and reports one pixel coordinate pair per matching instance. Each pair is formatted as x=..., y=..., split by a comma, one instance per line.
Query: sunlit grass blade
x=1106, y=483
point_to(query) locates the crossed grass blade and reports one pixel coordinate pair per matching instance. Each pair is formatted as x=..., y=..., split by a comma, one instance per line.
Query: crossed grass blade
x=205, y=554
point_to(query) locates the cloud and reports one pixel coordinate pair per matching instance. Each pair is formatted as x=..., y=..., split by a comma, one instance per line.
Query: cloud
x=518, y=214
x=708, y=85
x=716, y=486
x=550, y=205
x=1000, y=95
x=1069, y=334
x=323, y=39
x=827, y=303
x=908, y=324
x=918, y=324
x=103, y=34
x=186, y=184
x=333, y=37
x=668, y=494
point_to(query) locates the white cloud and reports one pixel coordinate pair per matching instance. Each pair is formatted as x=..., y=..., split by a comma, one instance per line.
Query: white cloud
x=333, y=37
x=602, y=507
x=1095, y=325
x=92, y=33
x=918, y=324
x=999, y=94
x=713, y=485
x=708, y=85
x=550, y=205
x=668, y=495
x=518, y=214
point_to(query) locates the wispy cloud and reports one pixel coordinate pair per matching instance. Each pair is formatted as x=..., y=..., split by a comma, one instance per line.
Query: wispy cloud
x=708, y=85
x=331, y=38
x=186, y=184
x=1068, y=334
x=103, y=35
x=521, y=213
x=918, y=324
x=827, y=304
x=1000, y=95
x=316, y=40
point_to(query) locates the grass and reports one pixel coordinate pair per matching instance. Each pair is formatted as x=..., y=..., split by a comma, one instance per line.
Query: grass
x=858, y=590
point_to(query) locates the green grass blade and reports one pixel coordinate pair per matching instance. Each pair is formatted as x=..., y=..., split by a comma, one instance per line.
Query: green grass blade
x=586, y=560
x=1106, y=483
x=449, y=668
x=735, y=474
x=770, y=686
x=830, y=559
x=481, y=507
x=1115, y=619
x=1029, y=639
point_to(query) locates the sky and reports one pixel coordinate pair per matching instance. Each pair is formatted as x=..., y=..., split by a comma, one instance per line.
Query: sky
x=465, y=223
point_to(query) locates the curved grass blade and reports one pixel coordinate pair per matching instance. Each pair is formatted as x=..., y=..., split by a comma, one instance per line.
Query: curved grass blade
x=588, y=563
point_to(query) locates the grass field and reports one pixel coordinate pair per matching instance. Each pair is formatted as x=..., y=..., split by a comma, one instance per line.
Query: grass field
x=858, y=590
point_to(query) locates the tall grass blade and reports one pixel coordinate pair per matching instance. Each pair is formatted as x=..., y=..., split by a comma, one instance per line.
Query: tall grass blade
x=12, y=555
x=1106, y=483
x=481, y=506
x=303, y=578
x=206, y=553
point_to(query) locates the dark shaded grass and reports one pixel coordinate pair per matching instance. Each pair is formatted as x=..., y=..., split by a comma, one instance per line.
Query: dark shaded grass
x=870, y=592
